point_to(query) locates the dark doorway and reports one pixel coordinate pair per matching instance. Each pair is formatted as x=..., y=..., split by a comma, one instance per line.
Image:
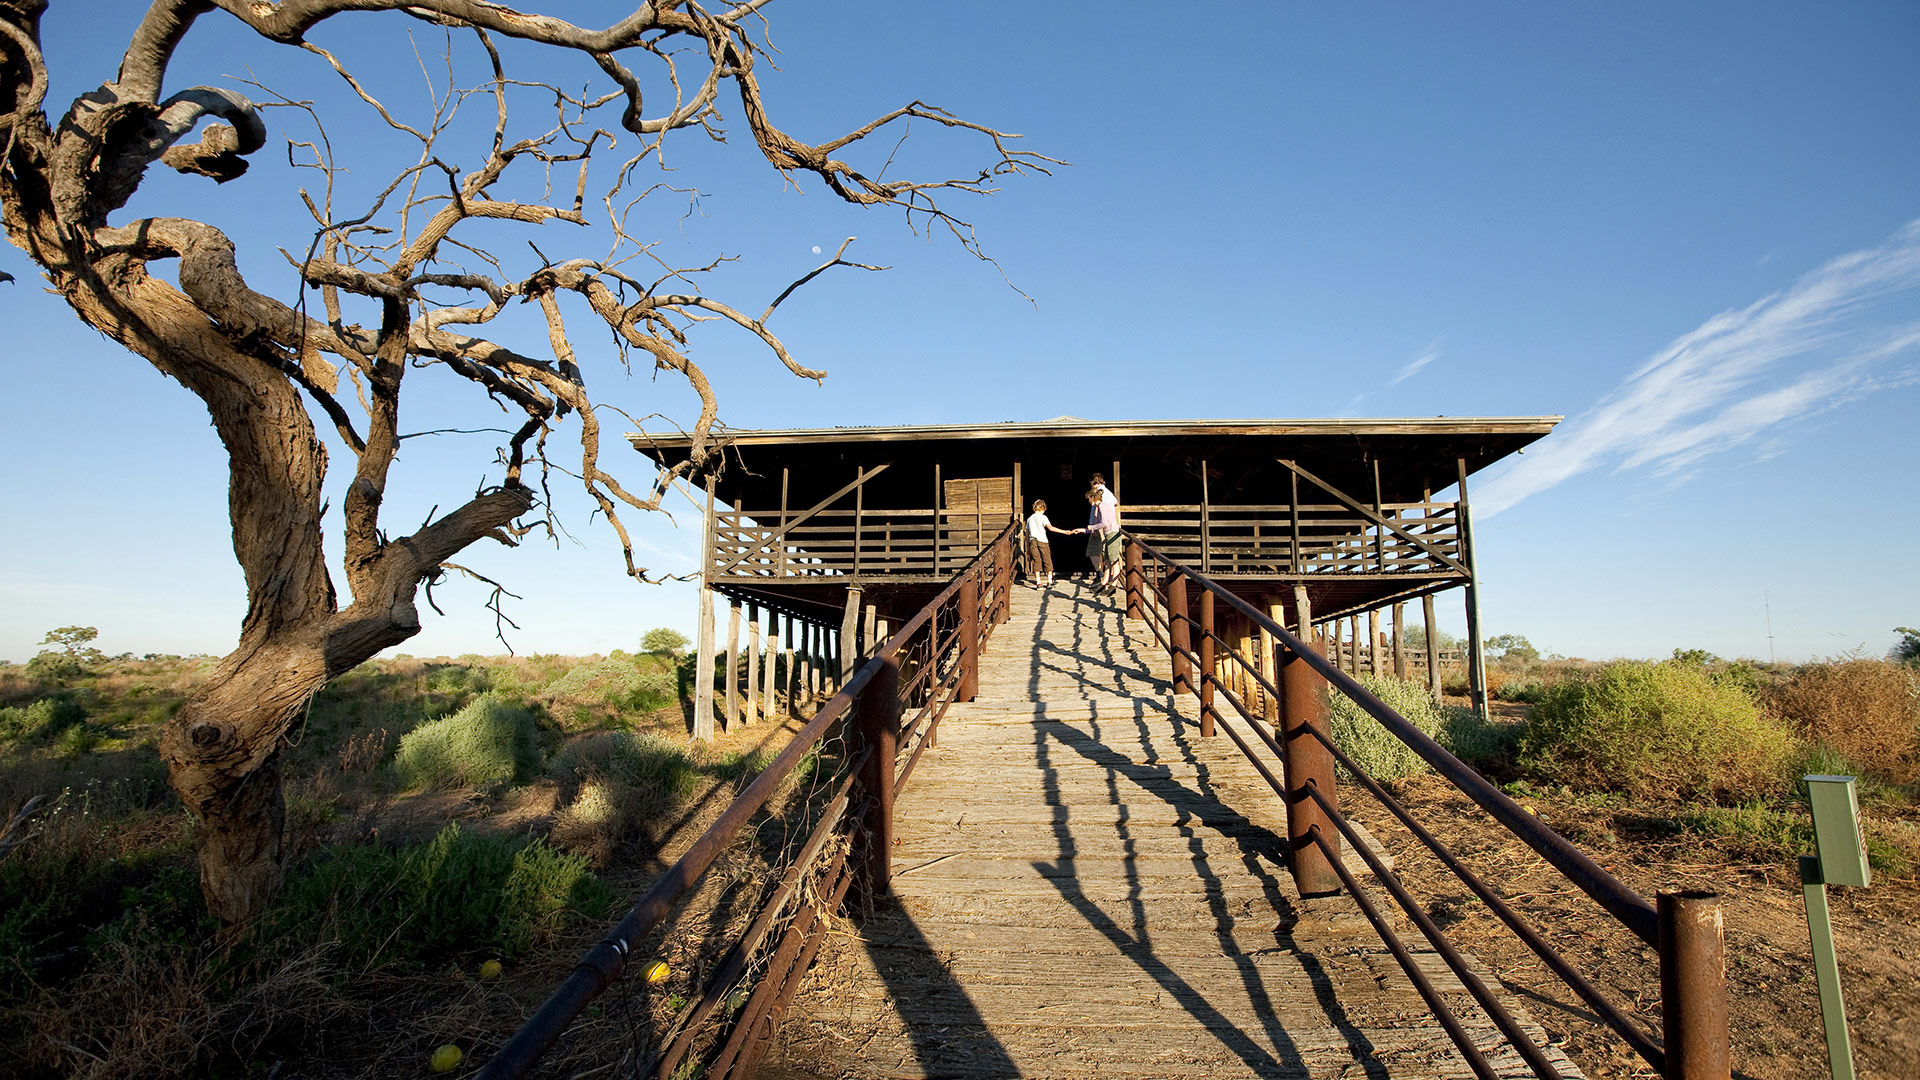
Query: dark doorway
x=1063, y=482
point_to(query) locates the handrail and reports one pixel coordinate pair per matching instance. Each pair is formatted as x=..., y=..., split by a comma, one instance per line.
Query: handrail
x=1693, y=986
x=606, y=960
x=1606, y=890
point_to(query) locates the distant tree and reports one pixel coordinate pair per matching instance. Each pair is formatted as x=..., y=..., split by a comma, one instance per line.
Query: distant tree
x=663, y=639
x=1512, y=647
x=74, y=641
x=1417, y=638
x=398, y=282
x=1907, y=649
x=71, y=661
x=1696, y=657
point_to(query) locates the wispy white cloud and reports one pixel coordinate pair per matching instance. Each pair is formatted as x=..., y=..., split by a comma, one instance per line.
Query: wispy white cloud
x=1826, y=340
x=1407, y=371
x=1412, y=367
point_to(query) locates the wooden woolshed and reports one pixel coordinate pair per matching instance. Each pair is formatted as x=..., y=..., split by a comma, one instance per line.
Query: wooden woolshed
x=837, y=529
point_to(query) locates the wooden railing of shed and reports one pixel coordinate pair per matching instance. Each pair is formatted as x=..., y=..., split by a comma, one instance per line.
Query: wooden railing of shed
x=1417, y=540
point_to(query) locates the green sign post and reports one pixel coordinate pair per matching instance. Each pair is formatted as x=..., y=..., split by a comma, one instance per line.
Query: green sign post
x=1841, y=860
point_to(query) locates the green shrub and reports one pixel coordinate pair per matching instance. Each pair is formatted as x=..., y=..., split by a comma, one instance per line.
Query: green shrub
x=1655, y=729
x=41, y=720
x=622, y=682
x=1477, y=742
x=491, y=741
x=1526, y=691
x=1369, y=744
x=461, y=892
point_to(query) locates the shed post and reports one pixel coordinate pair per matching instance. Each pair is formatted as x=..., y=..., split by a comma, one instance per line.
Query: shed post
x=1373, y=642
x=849, y=635
x=753, y=662
x=1269, y=653
x=1476, y=649
x=1302, y=614
x=793, y=669
x=1433, y=646
x=1400, y=641
x=770, y=675
x=870, y=634
x=733, y=663
x=703, y=644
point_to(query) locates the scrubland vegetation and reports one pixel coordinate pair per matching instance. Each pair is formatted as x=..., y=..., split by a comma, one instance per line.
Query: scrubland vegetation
x=446, y=812
x=1716, y=747
x=441, y=813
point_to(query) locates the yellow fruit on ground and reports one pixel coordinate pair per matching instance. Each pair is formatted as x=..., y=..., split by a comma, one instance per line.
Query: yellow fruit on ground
x=655, y=971
x=445, y=1058
x=490, y=969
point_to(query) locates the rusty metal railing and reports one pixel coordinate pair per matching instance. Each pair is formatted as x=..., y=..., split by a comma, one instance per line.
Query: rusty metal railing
x=1684, y=927
x=928, y=664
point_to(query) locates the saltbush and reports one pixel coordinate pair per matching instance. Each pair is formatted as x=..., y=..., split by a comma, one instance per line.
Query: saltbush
x=460, y=893
x=490, y=741
x=1370, y=744
x=1655, y=729
x=1866, y=711
x=619, y=682
x=620, y=781
x=40, y=720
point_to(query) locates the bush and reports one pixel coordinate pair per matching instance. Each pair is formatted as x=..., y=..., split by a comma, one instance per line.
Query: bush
x=1667, y=729
x=460, y=893
x=491, y=741
x=619, y=682
x=621, y=780
x=1369, y=744
x=40, y=720
x=1867, y=711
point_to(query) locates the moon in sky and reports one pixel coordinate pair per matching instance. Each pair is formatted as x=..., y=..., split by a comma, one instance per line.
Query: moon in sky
x=816, y=249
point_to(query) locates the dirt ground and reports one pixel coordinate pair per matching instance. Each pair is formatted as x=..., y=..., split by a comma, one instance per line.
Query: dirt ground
x=1775, y=1009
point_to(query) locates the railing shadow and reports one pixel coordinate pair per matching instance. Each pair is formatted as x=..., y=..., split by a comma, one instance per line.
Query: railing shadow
x=1163, y=735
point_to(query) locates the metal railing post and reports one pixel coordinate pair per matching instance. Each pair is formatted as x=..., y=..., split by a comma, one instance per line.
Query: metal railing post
x=1134, y=610
x=1693, y=986
x=969, y=631
x=877, y=717
x=1305, y=705
x=1207, y=666
x=1178, y=633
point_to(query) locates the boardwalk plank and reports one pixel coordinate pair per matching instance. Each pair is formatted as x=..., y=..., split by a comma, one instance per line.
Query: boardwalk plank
x=1086, y=888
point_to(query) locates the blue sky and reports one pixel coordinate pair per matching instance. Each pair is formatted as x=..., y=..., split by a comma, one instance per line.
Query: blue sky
x=1688, y=228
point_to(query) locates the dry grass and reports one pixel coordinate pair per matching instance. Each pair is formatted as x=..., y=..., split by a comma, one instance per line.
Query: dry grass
x=1866, y=710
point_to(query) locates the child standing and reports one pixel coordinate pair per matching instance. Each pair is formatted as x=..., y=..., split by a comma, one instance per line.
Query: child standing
x=1037, y=529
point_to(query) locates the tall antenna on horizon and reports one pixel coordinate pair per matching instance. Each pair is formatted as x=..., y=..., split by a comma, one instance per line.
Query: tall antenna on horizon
x=1766, y=597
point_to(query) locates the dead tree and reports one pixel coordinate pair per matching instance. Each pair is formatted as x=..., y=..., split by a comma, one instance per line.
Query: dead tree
x=269, y=369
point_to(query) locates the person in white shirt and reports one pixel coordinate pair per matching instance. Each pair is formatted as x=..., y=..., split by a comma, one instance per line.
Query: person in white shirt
x=1103, y=543
x=1041, y=550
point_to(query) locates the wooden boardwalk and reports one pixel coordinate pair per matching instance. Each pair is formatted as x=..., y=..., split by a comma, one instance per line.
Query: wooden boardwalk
x=1085, y=887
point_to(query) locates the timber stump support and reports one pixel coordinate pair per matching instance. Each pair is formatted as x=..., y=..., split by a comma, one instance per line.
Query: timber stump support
x=1693, y=986
x=1206, y=664
x=1134, y=610
x=1305, y=706
x=1180, y=633
x=877, y=717
x=969, y=631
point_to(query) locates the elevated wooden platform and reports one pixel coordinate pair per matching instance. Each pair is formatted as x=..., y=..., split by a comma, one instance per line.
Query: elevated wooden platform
x=1085, y=887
